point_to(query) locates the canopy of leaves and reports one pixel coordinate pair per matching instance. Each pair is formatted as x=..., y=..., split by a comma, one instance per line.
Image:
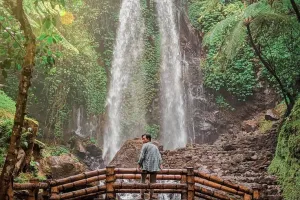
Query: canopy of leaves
x=275, y=30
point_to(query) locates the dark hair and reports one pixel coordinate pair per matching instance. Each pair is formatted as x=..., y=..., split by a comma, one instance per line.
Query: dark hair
x=148, y=136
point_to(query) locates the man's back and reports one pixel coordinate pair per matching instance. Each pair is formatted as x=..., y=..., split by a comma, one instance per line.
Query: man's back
x=150, y=158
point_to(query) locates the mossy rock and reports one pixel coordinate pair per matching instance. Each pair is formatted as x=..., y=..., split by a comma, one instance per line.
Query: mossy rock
x=286, y=164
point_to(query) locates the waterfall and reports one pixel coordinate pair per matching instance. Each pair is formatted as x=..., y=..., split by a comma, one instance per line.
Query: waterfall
x=78, y=123
x=127, y=52
x=172, y=98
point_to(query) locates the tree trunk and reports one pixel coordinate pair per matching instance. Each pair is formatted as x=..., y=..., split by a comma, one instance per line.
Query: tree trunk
x=295, y=7
x=288, y=98
x=30, y=140
x=16, y=7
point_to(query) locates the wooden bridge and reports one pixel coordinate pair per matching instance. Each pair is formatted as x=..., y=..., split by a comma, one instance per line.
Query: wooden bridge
x=190, y=184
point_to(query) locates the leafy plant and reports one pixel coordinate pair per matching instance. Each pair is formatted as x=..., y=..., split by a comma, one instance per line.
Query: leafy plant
x=93, y=140
x=2, y=156
x=59, y=150
x=267, y=30
x=153, y=130
x=34, y=167
x=221, y=102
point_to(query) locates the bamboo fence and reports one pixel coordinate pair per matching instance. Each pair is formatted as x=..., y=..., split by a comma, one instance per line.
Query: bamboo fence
x=189, y=183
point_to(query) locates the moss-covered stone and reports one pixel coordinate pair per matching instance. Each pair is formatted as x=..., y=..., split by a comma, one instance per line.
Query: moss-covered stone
x=286, y=164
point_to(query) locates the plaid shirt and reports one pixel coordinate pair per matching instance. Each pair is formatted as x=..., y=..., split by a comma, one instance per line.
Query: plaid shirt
x=150, y=158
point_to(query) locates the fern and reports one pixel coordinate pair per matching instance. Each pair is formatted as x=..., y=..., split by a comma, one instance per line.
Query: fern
x=218, y=33
x=256, y=9
x=230, y=33
x=235, y=41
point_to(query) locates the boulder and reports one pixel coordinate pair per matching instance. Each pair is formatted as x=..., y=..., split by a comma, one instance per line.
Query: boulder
x=93, y=150
x=64, y=166
x=128, y=154
x=205, y=126
x=228, y=147
x=249, y=125
x=272, y=115
x=93, y=158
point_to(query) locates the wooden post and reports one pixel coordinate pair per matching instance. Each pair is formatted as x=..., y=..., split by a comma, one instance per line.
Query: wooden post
x=256, y=194
x=190, y=183
x=33, y=193
x=247, y=197
x=10, y=191
x=110, y=180
x=54, y=191
x=184, y=192
x=45, y=194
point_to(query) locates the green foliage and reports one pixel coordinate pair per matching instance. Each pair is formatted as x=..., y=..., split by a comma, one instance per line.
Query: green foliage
x=11, y=42
x=96, y=90
x=206, y=14
x=153, y=130
x=93, y=140
x=236, y=77
x=221, y=102
x=7, y=110
x=286, y=163
x=2, y=156
x=230, y=64
x=75, y=79
x=64, y=78
x=55, y=151
x=265, y=125
x=23, y=178
x=151, y=59
x=69, y=72
x=281, y=50
x=6, y=104
x=34, y=167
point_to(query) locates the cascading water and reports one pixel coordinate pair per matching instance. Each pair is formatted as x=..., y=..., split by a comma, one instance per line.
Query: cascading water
x=78, y=123
x=173, y=128
x=127, y=51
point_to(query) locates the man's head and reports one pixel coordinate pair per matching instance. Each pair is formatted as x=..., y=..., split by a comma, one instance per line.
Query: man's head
x=146, y=138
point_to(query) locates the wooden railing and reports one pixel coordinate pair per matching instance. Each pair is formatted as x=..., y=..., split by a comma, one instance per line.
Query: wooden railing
x=191, y=183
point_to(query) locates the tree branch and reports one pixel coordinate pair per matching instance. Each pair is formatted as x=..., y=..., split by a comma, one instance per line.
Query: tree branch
x=295, y=7
x=288, y=98
x=13, y=37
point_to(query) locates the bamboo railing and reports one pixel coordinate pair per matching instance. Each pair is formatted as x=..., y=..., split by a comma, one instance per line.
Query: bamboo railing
x=190, y=184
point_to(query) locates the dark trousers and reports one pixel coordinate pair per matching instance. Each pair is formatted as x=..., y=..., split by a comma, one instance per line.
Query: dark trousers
x=152, y=180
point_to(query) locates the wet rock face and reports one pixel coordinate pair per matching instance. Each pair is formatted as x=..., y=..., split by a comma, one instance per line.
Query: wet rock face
x=93, y=157
x=88, y=153
x=64, y=166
